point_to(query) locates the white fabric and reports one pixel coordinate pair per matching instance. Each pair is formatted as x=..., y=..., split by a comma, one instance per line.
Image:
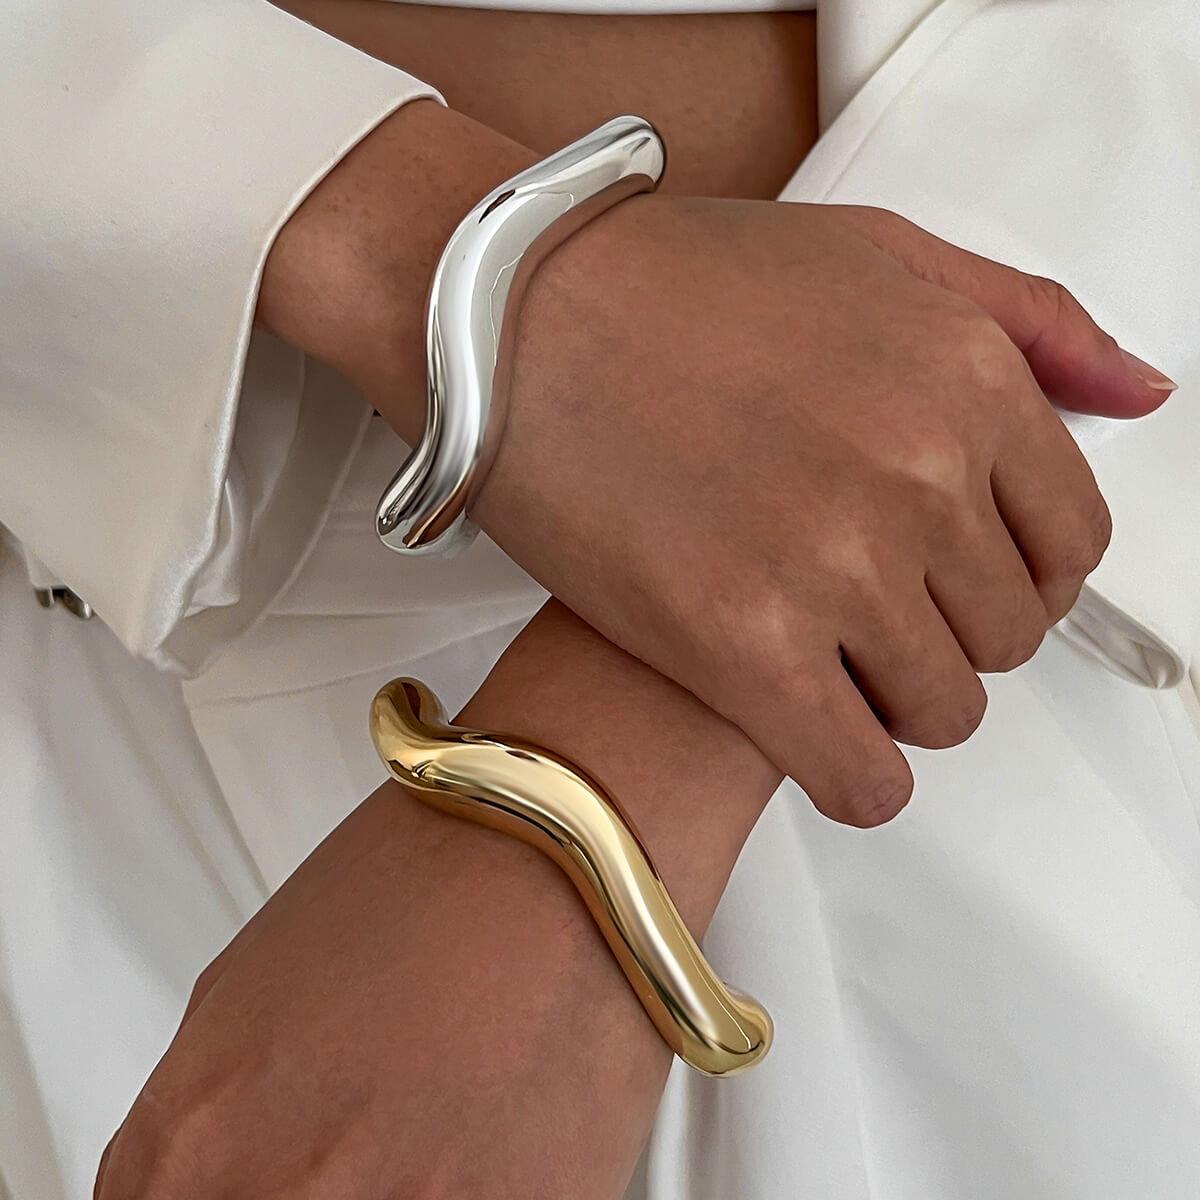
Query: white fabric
x=853, y=38
x=120, y=872
x=151, y=152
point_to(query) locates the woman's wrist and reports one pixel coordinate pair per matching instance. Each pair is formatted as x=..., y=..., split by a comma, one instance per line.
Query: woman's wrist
x=347, y=276
x=690, y=782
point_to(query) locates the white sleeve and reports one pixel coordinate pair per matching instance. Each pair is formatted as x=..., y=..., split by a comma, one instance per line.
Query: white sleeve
x=150, y=151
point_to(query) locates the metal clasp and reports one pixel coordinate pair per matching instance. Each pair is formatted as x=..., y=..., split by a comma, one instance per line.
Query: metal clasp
x=75, y=605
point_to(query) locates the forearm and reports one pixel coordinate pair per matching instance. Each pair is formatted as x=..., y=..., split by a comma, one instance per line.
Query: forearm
x=536, y=1043
x=734, y=94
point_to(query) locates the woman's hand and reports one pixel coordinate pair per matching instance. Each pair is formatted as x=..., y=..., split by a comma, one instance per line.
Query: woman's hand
x=425, y=1009
x=799, y=458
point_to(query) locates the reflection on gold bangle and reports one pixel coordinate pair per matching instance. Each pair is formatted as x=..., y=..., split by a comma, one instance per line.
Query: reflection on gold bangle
x=534, y=794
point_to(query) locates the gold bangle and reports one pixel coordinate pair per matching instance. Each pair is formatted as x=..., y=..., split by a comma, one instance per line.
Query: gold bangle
x=523, y=789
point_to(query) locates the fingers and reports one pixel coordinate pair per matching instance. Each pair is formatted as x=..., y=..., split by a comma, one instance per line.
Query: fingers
x=1047, y=497
x=907, y=663
x=837, y=751
x=1076, y=363
x=983, y=591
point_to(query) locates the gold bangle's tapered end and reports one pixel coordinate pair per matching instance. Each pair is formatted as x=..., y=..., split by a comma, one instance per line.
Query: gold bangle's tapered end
x=742, y=1041
x=407, y=722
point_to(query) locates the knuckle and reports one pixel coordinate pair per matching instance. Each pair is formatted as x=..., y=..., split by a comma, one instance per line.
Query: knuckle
x=938, y=474
x=768, y=624
x=1079, y=552
x=741, y=611
x=1100, y=531
x=852, y=560
x=1010, y=651
x=180, y=1151
x=1060, y=308
x=759, y=637
x=177, y=1161
x=867, y=788
x=150, y=1164
x=1069, y=563
x=1051, y=297
x=877, y=222
x=776, y=623
x=168, y=1146
x=988, y=358
x=1056, y=306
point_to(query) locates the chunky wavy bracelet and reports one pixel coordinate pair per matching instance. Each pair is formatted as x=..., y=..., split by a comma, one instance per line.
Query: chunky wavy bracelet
x=542, y=798
x=468, y=337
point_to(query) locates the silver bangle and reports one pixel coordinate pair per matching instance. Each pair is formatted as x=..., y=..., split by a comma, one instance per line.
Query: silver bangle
x=468, y=341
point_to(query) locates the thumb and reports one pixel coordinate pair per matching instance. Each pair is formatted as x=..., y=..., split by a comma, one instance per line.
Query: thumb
x=1077, y=364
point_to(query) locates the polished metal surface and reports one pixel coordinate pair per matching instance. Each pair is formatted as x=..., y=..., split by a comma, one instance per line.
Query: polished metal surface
x=75, y=605
x=534, y=794
x=468, y=338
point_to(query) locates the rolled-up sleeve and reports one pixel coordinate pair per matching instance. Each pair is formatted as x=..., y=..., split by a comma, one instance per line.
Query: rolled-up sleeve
x=161, y=458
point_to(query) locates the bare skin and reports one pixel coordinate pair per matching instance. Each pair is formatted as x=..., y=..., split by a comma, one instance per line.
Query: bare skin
x=734, y=94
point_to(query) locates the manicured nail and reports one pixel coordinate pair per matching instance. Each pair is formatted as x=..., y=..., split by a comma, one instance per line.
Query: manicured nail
x=1149, y=376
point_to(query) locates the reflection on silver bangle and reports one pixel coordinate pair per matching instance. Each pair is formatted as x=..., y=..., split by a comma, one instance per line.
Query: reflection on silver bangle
x=468, y=340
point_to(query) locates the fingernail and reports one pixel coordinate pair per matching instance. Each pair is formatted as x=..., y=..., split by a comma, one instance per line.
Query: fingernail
x=1148, y=375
